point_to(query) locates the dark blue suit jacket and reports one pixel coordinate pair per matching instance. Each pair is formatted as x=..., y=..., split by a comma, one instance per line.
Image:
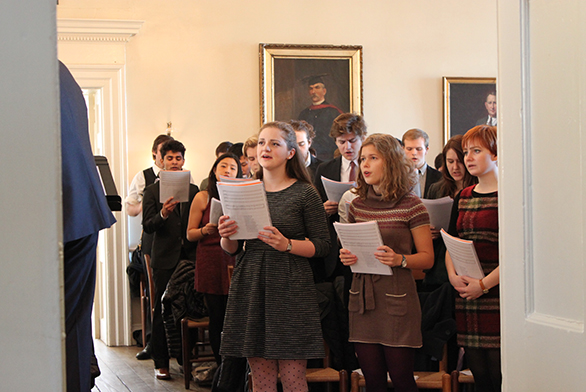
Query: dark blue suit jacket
x=85, y=209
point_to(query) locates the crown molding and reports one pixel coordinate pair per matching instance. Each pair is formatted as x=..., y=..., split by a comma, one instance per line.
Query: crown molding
x=97, y=30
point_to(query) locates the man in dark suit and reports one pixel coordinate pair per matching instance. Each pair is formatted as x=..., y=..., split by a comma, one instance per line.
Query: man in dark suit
x=167, y=222
x=416, y=146
x=305, y=134
x=348, y=131
x=85, y=213
x=320, y=114
x=490, y=105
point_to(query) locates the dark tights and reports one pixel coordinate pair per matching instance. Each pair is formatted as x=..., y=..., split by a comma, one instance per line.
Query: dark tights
x=485, y=365
x=216, y=308
x=376, y=360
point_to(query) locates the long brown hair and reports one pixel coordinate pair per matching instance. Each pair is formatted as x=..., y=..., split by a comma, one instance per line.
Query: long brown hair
x=398, y=176
x=448, y=185
x=295, y=167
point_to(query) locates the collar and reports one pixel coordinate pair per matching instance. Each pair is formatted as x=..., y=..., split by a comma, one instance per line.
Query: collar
x=423, y=169
x=156, y=169
x=308, y=159
x=346, y=164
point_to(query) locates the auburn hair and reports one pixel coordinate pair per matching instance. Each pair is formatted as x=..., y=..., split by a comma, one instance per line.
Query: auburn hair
x=398, y=177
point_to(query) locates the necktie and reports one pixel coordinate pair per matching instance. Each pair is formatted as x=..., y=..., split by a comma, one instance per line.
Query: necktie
x=417, y=187
x=352, y=176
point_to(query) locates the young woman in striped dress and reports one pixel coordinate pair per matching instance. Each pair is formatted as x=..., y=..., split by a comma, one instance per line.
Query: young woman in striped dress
x=272, y=317
x=384, y=311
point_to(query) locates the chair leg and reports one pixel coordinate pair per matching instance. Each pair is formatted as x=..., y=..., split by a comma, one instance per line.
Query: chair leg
x=343, y=381
x=446, y=383
x=185, y=352
x=354, y=378
x=143, y=317
x=455, y=383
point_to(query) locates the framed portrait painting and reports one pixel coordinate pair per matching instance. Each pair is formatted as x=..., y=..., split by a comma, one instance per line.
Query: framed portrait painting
x=314, y=83
x=468, y=102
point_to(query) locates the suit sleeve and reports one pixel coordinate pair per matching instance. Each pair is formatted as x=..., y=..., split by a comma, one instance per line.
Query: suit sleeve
x=318, y=183
x=316, y=224
x=151, y=213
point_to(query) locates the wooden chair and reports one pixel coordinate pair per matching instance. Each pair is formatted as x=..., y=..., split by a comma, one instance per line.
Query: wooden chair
x=460, y=378
x=147, y=306
x=144, y=307
x=425, y=380
x=151, y=283
x=325, y=374
x=191, y=353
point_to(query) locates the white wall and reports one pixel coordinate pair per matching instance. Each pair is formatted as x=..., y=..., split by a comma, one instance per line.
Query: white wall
x=31, y=339
x=195, y=63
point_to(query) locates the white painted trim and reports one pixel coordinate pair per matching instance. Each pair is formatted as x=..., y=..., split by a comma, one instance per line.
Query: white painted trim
x=107, y=72
x=115, y=296
x=97, y=30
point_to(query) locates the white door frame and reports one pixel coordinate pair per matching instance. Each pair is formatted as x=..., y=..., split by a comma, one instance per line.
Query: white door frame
x=104, y=70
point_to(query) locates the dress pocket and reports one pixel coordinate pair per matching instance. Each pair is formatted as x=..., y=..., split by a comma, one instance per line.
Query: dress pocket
x=396, y=304
x=354, y=301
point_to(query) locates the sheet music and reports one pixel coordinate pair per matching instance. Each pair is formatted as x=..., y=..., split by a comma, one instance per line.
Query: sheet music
x=463, y=256
x=215, y=210
x=236, y=180
x=174, y=183
x=246, y=203
x=362, y=239
x=439, y=211
x=344, y=205
x=335, y=189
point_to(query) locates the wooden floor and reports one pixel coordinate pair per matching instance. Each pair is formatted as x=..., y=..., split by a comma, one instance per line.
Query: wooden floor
x=122, y=372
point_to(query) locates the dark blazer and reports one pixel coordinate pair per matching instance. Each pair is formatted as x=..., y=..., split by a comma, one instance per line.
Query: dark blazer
x=330, y=169
x=312, y=168
x=431, y=177
x=85, y=209
x=170, y=243
x=483, y=120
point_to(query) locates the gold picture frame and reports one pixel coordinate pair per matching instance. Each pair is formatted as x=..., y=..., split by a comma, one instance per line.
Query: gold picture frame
x=464, y=103
x=286, y=70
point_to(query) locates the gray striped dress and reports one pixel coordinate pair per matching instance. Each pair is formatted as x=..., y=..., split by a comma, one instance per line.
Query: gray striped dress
x=272, y=309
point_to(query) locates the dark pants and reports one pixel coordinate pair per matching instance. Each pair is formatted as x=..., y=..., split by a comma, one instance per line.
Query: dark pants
x=79, y=264
x=485, y=365
x=217, y=309
x=160, y=352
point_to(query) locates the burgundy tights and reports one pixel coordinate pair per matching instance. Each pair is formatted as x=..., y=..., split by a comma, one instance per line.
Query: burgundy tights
x=376, y=360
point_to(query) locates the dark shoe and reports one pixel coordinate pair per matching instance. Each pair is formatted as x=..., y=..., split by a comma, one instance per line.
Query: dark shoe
x=144, y=354
x=162, y=374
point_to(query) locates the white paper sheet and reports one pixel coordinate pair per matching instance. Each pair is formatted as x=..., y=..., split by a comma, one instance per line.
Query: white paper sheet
x=344, y=205
x=215, y=210
x=335, y=189
x=362, y=239
x=463, y=256
x=236, y=180
x=174, y=183
x=245, y=203
x=439, y=211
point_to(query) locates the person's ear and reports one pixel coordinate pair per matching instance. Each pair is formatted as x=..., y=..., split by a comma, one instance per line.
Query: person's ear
x=291, y=153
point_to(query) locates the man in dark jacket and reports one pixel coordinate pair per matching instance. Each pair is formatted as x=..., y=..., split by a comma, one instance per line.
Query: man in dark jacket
x=167, y=221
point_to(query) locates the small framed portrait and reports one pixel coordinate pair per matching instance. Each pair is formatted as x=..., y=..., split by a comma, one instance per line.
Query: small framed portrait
x=468, y=102
x=314, y=83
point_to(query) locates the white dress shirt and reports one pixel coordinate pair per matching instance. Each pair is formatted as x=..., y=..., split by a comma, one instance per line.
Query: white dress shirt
x=345, y=170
